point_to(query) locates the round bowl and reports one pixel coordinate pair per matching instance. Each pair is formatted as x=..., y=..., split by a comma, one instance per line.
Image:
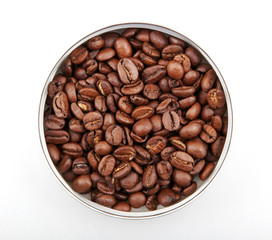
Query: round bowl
x=141, y=213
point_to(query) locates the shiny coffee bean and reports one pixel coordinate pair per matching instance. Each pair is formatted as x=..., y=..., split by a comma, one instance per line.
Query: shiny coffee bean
x=130, y=180
x=181, y=178
x=137, y=200
x=206, y=172
x=170, y=121
x=166, y=197
x=54, y=153
x=197, y=148
x=151, y=91
x=182, y=160
x=105, y=186
x=151, y=203
x=80, y=166
x=82, y=184
x=122, y=170
x=216, y=98
x=106, y=165
x=122, y=206
x=149, y=176
x=124, y=153
x=114, y=135
x=164, y=170
x=156, y=144
x=103, y=148
x=93, y=120
x=142, y=127
x=61, y=105
x=128, y=72
x=208, y=134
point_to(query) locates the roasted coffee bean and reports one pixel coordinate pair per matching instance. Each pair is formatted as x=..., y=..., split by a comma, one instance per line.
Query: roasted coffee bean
x=130, y=180
x=216, y=98
x=54, y=153
x=82, y=184
x=170, y=121
x=182, y=160
x=175, y=70
x=208, y=134
x=61, y=105
x=190, y=131
x=183, y=179
x=137, y=114
x=106, y=165
x=206, y=172
x=142, y=127
x=105, y=186
x=164, y=170
x=93, y=121
x=153, y=74
x=142, y=112
x=166, y=197
x=137, y=200
x=196, y=148
x=53, y=122
x=103, y=148
x=122, y=206
x=149, y=176
x=79, y=55
x=124, y=153
x=56, y=136
x=127, y=71
x=122, y=48
x=80, y=166
x=114, y=135
x=156, y=144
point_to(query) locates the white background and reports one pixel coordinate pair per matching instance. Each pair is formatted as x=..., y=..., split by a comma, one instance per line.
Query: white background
x=235, y=34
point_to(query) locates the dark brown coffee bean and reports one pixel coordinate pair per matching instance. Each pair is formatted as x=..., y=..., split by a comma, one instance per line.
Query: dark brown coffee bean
x=177, y=143
x=149, y=176
x=142, y=112
x=53, y=122
x=184, y=60
x=74, y=137
x=189, y=190
x=217, y=146
x=112, y=101
x=93, y=121
x=66, y=67
x=166, y=197
x=132, y=89
x=181, y=178
x=80, y=166
x=138, y=187
x=196, y=148
x=109, y=38
x=54, y=153
x=129, y=32
x=100, y=103
x=125, y=105
x=175, y=70
x=164, y=170
x=166, y=153
x=69, y=176
x=56, y=136
x=85, y=106
x=156, y=122
x=138, y=100
x=142, y=155
x=76, y=125
x=103, y=148
x=61, y=105
x=114, y=135
x=137, y=62
x=105, y=54
x=70, y=90
x=203, y=67
x=170, y=51
x=168, y=104
x=72, y=149
x=193, y=111
x=216, y=98
x=76, y=110
x=190, y=131
x=122, y=170
x=87, y=94
x=93, y=159
x=127, y=71
x=104, y=87
x=194, y=55
x=198, y=167
x=130, y=180
x=137, y=200
x=177, y=41
x=153, y=74
x=124, y=153
x=182, y=160
x=151, y=203
x=114, y=80
x=122, y=48
x=122, y=206
x=142, y=127
x=142, y=35
x=145, y=59
x=123, y=118
x=95, y=43
x=106, y=165
x=80, y=73
x=156, y=144
x=106, y=200
x=65, y=164
x=158, y=39
x=79, y=55
x=216, y=122
x=136, y=167
x=187, y=102
x=105, y=186
x=206, y=172
x=206, y=113
x=170, y=121
x=190, y=77
x=224, y=126
x=151, y=91
x=208, y=134
x=208, y=80
x=183, y=91
x=150, y=50
x=82, y=184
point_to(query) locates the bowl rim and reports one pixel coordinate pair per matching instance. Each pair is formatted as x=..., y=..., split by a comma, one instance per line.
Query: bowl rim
x=146, y=214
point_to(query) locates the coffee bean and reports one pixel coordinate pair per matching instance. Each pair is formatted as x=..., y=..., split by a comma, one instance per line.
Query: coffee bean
x=142, y=127
x=137, y=200
x=208, y=134
x=183, y=91
x=164, y=170
x=216, y=98
x=125, y=105
x=183, y=179
x=65, y=163
x=182, y=161
x=158, y=39
x=103, y=148
x=79, y=55
x=194, y=55
x=151, y=203
x=217, y=146
x=56, y=136
x=127, y=71
x=170, y=51
x=124, y=153
x=166, y=197
x=106, y=165
x=122, y=206
x=114, y=135
x=175, y=70
x=133, y=89
x=122, y=170
x=208, y=80
x=61, y=105
x=149, y=176
x=80, y=166
x=190, y=131
x=206, y=172
x=156, y=144
x=87, y=94
x=53, y=122
x=82, y=184
x=54, y=153
x=142, y=112
x=189, y=190
x=177, y=143
x=153, y=74
x=72, y=149
x=95, y=43
x=130, y=180
x=151, y=91
x=170, y=121
x=106, y=200
x=167, y=105
x=122, y=48
x=196, y=148
x=93, y=120
x=105, y=186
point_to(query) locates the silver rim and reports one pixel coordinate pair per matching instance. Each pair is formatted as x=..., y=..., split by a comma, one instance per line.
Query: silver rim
x=146, y=214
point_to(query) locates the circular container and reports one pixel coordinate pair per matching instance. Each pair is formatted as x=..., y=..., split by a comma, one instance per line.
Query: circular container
x=141, y=213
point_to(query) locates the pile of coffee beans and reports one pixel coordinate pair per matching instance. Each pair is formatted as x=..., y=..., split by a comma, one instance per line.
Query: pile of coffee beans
x=134, y=118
